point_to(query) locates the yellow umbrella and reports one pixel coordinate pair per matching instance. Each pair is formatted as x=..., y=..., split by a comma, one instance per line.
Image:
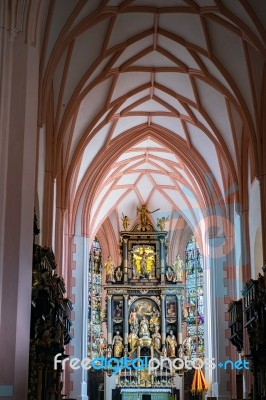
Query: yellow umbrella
x=199, y=384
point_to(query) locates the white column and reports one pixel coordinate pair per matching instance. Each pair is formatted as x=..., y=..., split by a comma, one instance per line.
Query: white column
x=215, y=324
x=80, y=323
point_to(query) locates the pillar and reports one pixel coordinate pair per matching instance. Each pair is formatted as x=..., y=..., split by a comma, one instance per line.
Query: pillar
x=179, y=320
x=125, y=323
x=19, y=74
x=109, y=320
x=162, y=260
x=125, y=262
x=163, y=323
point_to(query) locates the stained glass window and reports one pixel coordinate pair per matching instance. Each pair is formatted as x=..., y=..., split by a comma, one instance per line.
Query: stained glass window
x=94, y=297
x=194, y=307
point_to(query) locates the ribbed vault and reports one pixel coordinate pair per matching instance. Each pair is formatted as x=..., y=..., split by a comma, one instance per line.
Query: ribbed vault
x=151, y=101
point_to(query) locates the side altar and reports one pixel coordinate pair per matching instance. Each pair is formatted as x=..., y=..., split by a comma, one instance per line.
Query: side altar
x=144, y=305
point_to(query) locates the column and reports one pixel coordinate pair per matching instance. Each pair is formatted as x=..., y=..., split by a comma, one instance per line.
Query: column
x=179, y=320
x=109, y=320
x=162, y=260
x=79, y=377
x=125, y=323
x=125, y=266
x=163, y=323
x=18, y=146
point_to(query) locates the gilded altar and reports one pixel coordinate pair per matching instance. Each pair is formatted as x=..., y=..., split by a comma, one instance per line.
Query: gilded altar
x=144, y=306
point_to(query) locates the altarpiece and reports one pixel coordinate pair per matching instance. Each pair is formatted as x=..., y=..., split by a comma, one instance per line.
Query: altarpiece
x=144, y=306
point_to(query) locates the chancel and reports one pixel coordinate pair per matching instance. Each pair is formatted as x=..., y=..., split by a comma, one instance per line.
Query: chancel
x=132, y=199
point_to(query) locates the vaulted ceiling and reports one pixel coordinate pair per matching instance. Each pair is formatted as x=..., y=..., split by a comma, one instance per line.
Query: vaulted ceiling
x=151, y=101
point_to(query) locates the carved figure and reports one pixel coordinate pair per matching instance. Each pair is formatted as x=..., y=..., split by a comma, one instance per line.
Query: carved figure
x=110, y=269
x=187, y=346
x=156, y=338
x=178, y=267
x=133, y=319
x=171, y=344
x=125, y=222
x=155, y=320
x=144, y=256
x=133, y=339
x=118, y=344
x=102, y=345
x=144, y=219
x=144, y=327
x=161, y=222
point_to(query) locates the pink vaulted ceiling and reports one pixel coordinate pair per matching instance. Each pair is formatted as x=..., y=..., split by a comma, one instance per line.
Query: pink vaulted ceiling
x=187, y=70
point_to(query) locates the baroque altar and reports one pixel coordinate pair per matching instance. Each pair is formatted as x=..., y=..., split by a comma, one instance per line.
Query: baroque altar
x=144, y=304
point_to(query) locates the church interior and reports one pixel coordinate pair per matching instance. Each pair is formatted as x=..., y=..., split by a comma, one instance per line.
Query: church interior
x=132, y=209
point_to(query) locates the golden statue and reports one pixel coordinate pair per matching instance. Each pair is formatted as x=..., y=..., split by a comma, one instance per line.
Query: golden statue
x=156, y=338
x=133, y=319
x=110, y=270
x=101, y=344
x=178, y=267
x=144, y=219
x=161, y=222
x=143, y=262
x=125, y=222
x=155, y=319
x=171, y=344
x=118, y=344
x=133, y=339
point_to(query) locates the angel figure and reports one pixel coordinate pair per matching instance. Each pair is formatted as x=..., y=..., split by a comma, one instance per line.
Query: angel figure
x=125, y=222
x=144, y=219
x=161, y=222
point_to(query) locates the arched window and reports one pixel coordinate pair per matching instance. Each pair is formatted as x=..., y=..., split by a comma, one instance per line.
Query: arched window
x=194, y=307
x=94, y=297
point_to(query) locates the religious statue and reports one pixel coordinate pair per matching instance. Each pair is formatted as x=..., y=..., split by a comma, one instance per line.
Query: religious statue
x=133, y=339
x=144, y=256
x=118, y=344
x=101, y=344
x=178, y=267
x=187, y=346
x=144, y=219
x=125, y=221
x=156, y=338
x=155, y=320
x=118, y=274
x=171, y=344
x=133, y=319
x=110, y=269
x=144, y=327
x=180, y=351
x=161, y=222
